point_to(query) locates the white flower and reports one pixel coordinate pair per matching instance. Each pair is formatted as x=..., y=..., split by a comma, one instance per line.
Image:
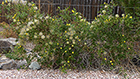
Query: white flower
x=88, y=23
x=40, y=17
x=15, y=1
x=84, y=20
x=76, y=37
x=23, y=2
x=17, y=27
x=51, y=31
x=29, y=4
x=35, y=36
x=70, y=37
x=36, y=21
x=29, y=19
x=30, y=27
x=18, y=23
x=9, y=4
x=14, y=20
x=91, y=26
x=46, y=17
x=116, y=15
x=123, y=15
x=29, y=23
x=35, y=8
x=105, y=52
x=85, y=43
x=40, y=33
x=9, y=0
x=35, y=16
x=99, y=15
x=93, y=22
x=110, y=16
x=67, y=42
x=27, y=29
x=42, y=36
x=22, y=30
x=104, y=11
x=48, y=36
x=69, y=29
x=106, y=6
x=81, y=20
x=73, y=42
x=68, y=33
x=50, y=42
x=46, y=44
x=80, y=16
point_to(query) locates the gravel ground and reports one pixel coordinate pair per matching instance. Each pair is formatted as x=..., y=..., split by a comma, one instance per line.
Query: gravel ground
x=56, y=74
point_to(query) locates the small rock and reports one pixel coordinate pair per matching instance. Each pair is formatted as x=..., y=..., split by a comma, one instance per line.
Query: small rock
x=34, y=66
x=21, y=63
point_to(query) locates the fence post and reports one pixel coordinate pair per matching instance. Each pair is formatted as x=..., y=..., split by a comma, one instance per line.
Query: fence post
x=39, y=4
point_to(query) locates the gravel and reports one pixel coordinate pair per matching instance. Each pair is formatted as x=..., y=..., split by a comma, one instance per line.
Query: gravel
x=57, y=74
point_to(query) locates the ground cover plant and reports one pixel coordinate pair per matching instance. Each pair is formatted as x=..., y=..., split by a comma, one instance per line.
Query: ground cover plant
x=67, y=40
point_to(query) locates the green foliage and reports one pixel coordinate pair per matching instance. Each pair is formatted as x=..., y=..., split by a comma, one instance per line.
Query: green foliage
x=67, y=40
x=130, y=6
x=113, y=35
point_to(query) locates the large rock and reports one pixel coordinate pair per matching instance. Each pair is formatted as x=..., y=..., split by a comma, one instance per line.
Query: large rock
x=6, y=63
x=11, y=40
x=5, y=46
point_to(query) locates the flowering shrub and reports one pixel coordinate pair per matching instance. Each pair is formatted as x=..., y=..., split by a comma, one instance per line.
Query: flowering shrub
x=67, y=40
x=59, y=40
x=113, y=36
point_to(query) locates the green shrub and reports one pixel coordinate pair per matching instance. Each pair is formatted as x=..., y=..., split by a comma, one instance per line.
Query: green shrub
x=67, y=40
x=113, y=36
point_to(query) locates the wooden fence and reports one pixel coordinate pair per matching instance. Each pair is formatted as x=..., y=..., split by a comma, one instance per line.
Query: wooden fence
x=89, y=8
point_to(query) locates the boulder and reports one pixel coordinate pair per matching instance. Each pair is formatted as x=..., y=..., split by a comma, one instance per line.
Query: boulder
x=5, y=46
x=11, y=40
x=6, y=63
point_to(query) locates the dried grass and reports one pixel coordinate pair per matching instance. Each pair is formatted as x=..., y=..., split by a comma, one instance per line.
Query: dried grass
x=8, y=31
